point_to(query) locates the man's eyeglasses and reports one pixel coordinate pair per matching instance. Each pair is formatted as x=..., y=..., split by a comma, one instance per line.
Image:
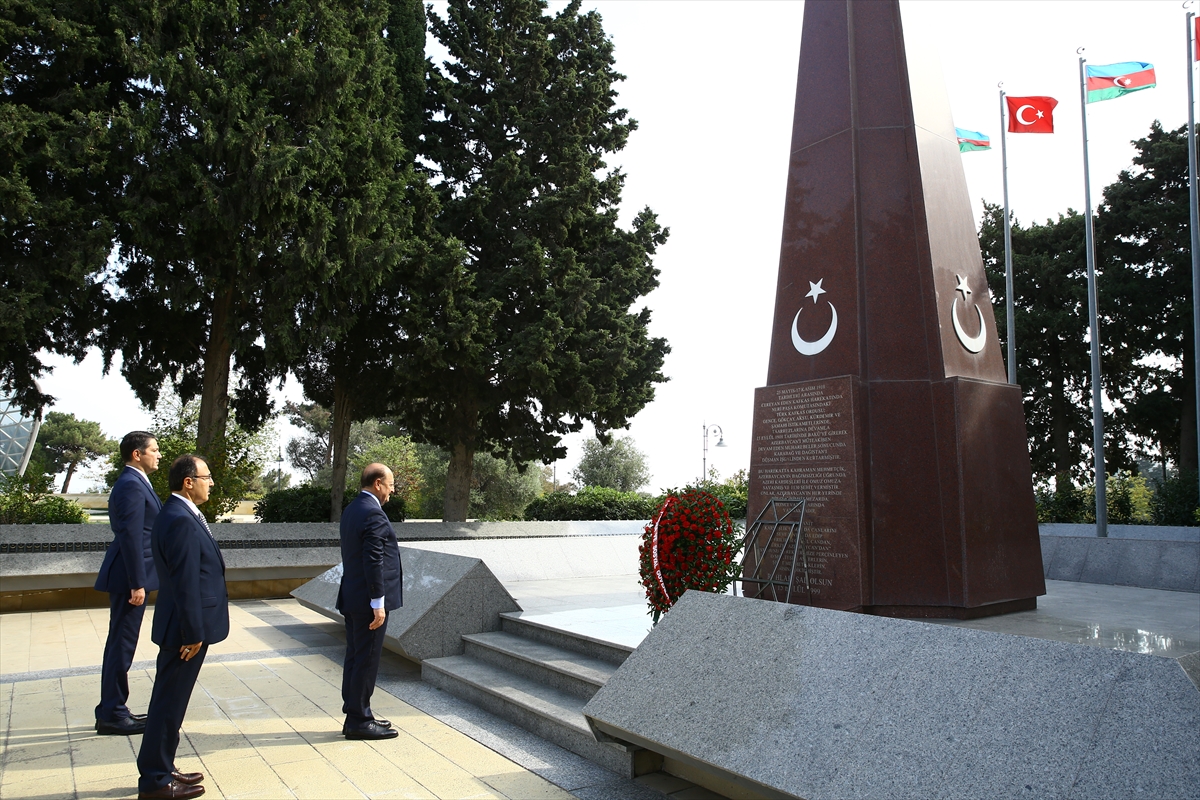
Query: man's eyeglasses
x=208, y=478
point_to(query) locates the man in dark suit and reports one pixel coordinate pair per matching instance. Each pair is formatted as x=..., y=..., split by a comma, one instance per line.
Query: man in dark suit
x=192, y=613
x=127, y=574
x=371, y=586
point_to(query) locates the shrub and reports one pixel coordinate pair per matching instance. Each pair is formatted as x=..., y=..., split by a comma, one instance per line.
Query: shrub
x=311, y=504
x=1175, y=500
x=591, y=503
x=695, y=545
x=26, y=500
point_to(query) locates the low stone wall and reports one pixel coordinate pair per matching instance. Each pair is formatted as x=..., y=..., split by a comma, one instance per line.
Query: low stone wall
x=1166, y=533
x=1146, y=563
x=55, y=566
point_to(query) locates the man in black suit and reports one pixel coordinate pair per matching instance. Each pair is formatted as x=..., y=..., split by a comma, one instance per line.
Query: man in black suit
x=192, y=613
x=371, y=586
x=128, y=575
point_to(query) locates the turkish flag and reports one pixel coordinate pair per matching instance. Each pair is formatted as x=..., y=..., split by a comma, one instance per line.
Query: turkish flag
x=1031, y=114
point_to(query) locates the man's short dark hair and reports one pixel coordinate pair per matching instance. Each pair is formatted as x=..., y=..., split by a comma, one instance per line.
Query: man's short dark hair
x=183, y=467
x=135, y=440
x=372, y=473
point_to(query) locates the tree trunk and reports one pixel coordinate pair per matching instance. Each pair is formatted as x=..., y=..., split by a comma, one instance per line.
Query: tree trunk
x=1187, y=414
x=458, y=483
x=214, y=396
x=339, y=434
x=70, y=472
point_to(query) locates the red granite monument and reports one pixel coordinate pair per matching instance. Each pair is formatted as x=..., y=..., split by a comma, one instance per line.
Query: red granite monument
x=886, y=404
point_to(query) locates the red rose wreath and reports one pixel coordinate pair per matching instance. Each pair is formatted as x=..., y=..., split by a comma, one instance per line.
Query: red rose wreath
x=689, y=544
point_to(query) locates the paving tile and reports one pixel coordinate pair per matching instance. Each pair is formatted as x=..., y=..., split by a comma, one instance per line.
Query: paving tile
x=520, y=784
x=112, y=789
x=316, y=779
x=43, y=789
x=245, y=778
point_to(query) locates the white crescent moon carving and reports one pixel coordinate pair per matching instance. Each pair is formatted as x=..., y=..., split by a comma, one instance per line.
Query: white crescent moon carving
x=806, y=348
x=973, y=343
x=1020, y=115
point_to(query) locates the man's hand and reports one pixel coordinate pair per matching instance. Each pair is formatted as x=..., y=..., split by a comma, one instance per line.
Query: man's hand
x=137, y=597
x=189, y=650
x=380, y=618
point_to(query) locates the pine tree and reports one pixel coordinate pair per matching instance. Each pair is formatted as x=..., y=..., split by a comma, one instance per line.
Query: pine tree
x=543, y=336
x=1144, y=249
x=67, y=88
x=270, y=172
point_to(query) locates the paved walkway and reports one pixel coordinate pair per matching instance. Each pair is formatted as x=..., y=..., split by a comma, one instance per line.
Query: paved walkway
x=263, y=720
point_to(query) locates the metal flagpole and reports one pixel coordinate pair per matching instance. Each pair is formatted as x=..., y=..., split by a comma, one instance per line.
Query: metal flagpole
x=1093, y=324
x=1008, y=267
x=1195, y=215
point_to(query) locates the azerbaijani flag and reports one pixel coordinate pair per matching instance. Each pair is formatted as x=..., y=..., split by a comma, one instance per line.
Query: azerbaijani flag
x=971, y=140
x=1114, y=80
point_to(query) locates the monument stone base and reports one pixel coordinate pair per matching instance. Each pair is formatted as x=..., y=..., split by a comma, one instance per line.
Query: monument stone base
x=938, y=521
x=796, y=701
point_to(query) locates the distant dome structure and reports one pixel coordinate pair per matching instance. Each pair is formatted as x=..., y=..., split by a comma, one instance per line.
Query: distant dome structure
x=17, y=435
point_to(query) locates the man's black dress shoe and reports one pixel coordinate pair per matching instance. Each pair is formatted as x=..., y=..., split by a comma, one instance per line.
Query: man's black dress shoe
x=385, y=723
x=190, y=778
x=172, y=790
x=126, y=726
x=372, y=730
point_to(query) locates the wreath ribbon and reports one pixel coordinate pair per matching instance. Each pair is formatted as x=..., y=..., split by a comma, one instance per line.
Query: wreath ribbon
x=654, y=547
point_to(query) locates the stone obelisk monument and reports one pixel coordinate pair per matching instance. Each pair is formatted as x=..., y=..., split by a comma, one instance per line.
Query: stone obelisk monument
x=886, y=404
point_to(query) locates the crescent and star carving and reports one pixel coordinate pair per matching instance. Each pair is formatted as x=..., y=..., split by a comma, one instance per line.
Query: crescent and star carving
x=974, y=344
x=803, y=346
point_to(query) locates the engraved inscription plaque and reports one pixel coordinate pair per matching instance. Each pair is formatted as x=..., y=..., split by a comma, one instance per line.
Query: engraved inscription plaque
x=805, y=446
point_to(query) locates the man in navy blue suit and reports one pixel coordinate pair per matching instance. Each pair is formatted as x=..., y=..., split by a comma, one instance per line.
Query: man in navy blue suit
x=371, y=586
x=127, y=574
x=192, y=612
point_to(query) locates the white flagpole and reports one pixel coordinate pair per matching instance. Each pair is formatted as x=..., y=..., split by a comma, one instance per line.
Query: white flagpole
x=1008, y=266
x=1195, y=215
x=1093, y=324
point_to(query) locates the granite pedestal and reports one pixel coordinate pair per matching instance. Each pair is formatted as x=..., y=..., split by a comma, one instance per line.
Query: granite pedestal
x=807, y=702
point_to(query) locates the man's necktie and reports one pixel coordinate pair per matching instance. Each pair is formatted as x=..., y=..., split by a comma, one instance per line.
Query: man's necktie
x=207, y=530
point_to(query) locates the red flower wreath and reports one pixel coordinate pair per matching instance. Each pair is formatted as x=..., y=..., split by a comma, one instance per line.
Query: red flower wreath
x=690, y=543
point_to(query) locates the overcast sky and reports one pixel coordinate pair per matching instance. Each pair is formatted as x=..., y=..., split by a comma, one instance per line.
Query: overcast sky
x=712, y=85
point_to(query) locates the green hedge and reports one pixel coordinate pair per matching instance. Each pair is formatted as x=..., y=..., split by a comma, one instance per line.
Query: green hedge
x=591, y=504
x=311, y=504
x=26, y=500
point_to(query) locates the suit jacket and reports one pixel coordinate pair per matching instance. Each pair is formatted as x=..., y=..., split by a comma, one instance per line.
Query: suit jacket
x=132, y=509
x=192, y=605
x=370, y=558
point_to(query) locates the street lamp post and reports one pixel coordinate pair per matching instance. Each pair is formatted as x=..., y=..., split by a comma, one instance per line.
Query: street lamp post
x=720, y=443
x=279, y=471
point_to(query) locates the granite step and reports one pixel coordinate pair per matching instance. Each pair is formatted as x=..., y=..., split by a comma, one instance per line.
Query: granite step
x=515, y=623
x=551, y=713
x=565, y=670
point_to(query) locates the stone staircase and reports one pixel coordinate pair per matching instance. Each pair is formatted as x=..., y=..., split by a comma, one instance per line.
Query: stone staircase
x=540, y=678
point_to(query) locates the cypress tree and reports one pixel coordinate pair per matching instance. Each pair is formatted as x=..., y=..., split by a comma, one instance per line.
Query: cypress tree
x=544, y=336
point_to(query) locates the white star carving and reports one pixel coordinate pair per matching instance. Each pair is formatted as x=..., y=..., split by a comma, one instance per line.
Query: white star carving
x=962, y=287
x=815, y=290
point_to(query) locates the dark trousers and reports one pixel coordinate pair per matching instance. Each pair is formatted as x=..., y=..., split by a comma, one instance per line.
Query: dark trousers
x=363, y=649
x=124, y=625
x=173, y=682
